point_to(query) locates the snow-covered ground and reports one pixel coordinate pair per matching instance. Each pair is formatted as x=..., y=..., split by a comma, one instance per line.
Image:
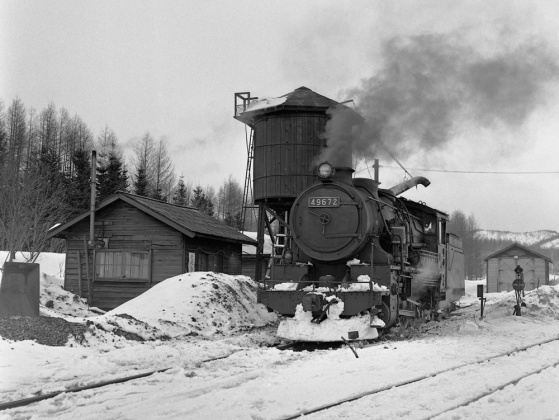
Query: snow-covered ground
x=188, y=320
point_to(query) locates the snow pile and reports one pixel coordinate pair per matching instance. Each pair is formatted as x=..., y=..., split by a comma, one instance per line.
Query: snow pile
x=57, y=302
x=263, y=103
x=190, y=304
x=288, y=286
x=199, y=303
x=333, y=328
x=364, y=285
x=541, y=302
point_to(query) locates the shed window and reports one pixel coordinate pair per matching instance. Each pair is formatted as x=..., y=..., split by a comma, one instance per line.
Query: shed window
x=122, y=265
x=209, y=262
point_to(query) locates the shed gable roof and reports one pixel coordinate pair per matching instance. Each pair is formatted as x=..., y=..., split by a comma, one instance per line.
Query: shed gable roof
x=187, y=220
x=522, y=247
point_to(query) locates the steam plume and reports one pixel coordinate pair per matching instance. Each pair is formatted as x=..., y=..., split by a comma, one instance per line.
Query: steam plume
x=430, y=84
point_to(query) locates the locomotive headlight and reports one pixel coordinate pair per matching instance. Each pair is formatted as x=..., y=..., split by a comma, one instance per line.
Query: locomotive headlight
x=325, y=170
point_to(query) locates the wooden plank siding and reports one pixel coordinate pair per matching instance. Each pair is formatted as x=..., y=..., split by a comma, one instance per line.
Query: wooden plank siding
x=230, y=253
x=127, y=228
x=285, y=146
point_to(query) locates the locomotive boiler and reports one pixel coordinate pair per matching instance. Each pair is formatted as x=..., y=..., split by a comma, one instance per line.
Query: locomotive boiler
x=350, y=258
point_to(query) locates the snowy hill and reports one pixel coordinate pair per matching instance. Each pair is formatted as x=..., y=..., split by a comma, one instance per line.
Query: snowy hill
x=538, y=237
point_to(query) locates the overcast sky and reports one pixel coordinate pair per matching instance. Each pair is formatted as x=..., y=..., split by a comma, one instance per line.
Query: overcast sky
x=172, y=68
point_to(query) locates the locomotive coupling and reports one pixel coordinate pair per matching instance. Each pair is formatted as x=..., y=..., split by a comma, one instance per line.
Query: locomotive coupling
x=318, y=304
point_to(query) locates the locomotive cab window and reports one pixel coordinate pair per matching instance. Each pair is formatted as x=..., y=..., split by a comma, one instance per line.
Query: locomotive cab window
x=442, y=231
x=429, y=228
x=132, y=266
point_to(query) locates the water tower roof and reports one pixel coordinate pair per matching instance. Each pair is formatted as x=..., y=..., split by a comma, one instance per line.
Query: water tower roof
x=305, y=97
x=301, y=99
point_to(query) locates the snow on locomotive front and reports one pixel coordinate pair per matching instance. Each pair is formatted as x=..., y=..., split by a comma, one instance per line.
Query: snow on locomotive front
x=356, y=258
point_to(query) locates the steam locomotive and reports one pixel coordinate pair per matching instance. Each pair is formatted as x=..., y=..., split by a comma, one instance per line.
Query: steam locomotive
x=353, y=258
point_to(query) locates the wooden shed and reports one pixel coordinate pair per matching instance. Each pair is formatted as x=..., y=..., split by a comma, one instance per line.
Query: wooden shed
x=140, y=242
x=500, y=268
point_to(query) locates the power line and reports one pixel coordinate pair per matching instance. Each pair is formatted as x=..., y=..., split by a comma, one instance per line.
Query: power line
x=470, y=172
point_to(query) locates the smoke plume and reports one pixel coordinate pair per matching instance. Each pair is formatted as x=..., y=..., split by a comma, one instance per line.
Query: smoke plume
x=429, y=85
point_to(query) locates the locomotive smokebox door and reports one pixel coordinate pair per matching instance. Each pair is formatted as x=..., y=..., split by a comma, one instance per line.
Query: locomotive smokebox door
x=312, y=302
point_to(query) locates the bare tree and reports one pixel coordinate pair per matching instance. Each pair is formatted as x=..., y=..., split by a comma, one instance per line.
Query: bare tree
x=153, y=168
x=229, y=199
x=466, y=228
x=107, y=141
x=32, y=146
x=3, y=135
x=17, y=128
x=28, y=208
x=143, y=161
x=163, y=172
x=48, y=128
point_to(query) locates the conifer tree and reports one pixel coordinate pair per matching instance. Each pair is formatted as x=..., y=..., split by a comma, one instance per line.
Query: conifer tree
x=201, y=202
x=112, y=177
x=79, y=183
x=180, y=196
x=141, y=183
x=3, y=135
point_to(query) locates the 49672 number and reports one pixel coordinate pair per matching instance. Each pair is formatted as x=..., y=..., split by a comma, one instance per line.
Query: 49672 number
x=324, y=201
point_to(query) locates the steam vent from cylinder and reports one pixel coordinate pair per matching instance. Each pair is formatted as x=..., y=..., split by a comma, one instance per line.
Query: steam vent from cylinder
x=288, y=135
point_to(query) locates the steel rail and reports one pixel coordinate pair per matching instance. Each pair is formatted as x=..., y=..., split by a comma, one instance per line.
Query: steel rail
x=27, y=401
x=416, y=379
x=493, y=390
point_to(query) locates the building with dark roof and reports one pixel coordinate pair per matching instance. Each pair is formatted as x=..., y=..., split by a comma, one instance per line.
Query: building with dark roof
x=501, y=267
x=140, y=242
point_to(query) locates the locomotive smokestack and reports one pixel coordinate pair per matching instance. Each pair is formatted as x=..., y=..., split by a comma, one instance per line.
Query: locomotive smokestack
x=410, y=183
x=343, y=174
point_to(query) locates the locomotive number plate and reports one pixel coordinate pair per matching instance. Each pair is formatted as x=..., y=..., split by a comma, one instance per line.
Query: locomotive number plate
x=324, y=201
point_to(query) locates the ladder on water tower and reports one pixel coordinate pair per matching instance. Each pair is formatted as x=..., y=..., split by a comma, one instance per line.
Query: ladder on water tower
x=247, y=190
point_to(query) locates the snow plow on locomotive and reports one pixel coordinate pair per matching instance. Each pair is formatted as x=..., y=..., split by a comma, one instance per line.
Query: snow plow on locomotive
x=350, y=258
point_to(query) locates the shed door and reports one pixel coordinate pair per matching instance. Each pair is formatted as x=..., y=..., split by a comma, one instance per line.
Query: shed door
x=507, y=274
x=527, y=265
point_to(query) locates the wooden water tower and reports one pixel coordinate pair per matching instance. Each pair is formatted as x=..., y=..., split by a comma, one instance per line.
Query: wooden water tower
x=286, y=135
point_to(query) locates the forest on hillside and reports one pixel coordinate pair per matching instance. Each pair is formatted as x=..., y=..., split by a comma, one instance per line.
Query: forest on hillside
x=479, y=244
x=45, y=175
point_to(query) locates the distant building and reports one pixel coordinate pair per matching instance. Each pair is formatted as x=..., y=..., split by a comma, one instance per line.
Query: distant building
x=500, y=268
x=140, y=242
x=249, y=255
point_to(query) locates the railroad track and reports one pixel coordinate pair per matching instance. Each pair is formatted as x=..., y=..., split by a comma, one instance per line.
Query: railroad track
x=27, y=401
x=381, y=392
x=30, y=400
x=436, y=376
x=492, y=391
